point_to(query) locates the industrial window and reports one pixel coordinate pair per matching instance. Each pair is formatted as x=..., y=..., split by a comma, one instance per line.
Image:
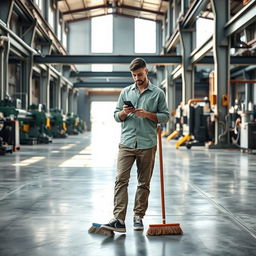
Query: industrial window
x=204, y=30
x=64, y=40
x=59, y=30
x=51, y=17
x=145, y=36
x=39, y=3
x=102, y=34
x=102, y=39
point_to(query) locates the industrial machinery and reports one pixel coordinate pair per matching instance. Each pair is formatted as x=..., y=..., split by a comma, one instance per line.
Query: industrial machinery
x=248, y=128
x=39, y=129
x=178, y=117
x=243, y=115
x=9, y=126
x=248, y=136
x=197, y=124
x=57, y=127
x=33, y=126
x=72, y=124
x=5, y=133
x=75, y=124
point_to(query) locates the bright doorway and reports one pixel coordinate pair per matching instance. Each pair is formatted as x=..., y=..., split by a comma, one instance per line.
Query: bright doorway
x=104, y=127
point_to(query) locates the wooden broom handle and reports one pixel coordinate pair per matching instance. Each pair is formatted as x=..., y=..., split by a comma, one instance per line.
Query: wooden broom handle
x=161, y=171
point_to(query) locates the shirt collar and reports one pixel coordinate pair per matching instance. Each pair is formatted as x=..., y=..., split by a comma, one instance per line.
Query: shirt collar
x=150, y=86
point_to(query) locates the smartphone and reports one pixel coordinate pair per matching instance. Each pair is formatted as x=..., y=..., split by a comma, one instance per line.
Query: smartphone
x=128, y=103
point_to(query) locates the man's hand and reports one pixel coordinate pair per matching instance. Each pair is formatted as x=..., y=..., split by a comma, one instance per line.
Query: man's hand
x=141, y=112
x=126, y=110
x=145, y=114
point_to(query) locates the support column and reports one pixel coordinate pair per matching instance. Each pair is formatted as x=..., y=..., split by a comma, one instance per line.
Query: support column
x=160, y=75
x=2, y=73
x=27, y=82
x=248, y=90
x=184, y=6
x=4, y=59
x=169, y=29
x=187, y=68
x=84, y=107
x=64, y=99
x=56, y=21
x=46, y=10
x=170, y=95
x=221, y=68
x=70, y=100
x=175, y=12
x=45, y=88
x=58, y=97
x=75, y=102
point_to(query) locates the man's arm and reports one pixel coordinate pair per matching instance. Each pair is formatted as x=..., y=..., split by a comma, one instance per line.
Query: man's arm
x=146, y=114
x=162, y=112
x=162, y=115
x=125, y=111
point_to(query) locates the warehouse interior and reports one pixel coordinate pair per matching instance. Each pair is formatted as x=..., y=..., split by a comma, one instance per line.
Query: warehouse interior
x=63, y=64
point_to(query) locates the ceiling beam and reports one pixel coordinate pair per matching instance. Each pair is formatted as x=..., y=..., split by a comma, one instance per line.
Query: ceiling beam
x=140, y=9
x=193, y=12
x=244, y=17
x=106, y=59
x=101, y=84
x=87, y=9
x=110, y=6
x=200, y=52
x=105, y=74
x=126, y=59
x=116, y=14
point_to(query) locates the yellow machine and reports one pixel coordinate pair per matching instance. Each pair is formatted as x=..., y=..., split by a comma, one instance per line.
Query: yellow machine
x=182, y=140
x=173, y=135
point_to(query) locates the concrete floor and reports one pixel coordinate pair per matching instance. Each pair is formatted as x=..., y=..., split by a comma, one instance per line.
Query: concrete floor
x=50, y=195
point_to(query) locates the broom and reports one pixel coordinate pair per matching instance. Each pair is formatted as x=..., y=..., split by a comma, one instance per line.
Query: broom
x=97, y=229
x=163, y=229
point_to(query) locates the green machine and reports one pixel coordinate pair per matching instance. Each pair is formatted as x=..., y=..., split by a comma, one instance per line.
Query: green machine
x=8, y=108
x=72, y=123
x=38, y=127
x=5, y=133
x=33, y=126
x=9, y=127
x=57, y=127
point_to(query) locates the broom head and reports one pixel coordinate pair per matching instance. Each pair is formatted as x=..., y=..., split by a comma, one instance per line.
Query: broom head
x=97, y=229
x=164, y=229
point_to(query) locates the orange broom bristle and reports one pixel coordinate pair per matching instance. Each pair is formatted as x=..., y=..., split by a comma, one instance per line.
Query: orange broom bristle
x=164, y=229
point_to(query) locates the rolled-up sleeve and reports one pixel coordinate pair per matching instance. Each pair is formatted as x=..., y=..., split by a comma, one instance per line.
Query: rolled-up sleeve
x=163, y=112
x=119, y=108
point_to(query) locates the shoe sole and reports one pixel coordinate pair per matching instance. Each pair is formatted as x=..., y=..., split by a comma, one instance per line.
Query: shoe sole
x=120, y=230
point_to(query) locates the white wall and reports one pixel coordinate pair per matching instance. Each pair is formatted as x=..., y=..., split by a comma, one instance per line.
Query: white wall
x=123, y=39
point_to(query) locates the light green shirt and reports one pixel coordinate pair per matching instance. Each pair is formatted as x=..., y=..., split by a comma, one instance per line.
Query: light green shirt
x=138, y=132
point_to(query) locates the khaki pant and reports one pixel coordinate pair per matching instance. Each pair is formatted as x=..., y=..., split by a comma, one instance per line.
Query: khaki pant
x=145, y=159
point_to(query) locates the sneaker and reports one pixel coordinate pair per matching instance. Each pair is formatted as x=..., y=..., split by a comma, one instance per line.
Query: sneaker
x=137, y=223
x=115, y=225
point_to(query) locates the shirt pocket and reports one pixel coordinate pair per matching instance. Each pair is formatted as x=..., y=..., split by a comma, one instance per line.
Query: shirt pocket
x=151, y=105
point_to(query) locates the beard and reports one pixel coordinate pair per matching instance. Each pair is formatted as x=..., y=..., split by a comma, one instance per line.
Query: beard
x=140, y=82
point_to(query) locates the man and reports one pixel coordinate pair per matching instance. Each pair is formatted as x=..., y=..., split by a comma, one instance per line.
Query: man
x=138, y=143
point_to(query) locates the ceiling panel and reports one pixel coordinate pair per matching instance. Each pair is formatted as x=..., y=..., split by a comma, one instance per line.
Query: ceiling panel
x=84, y=9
